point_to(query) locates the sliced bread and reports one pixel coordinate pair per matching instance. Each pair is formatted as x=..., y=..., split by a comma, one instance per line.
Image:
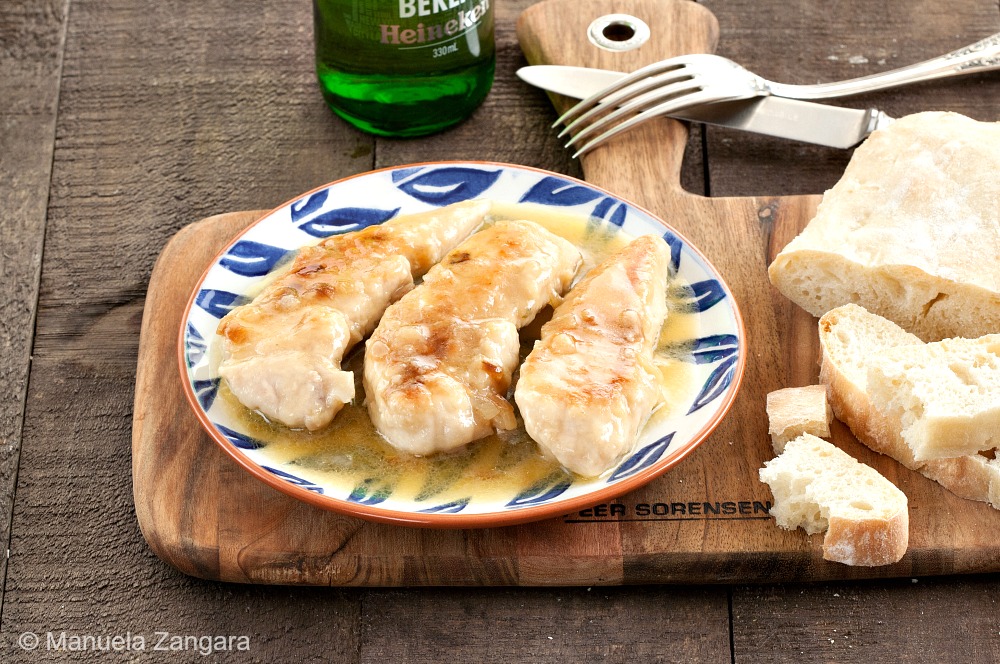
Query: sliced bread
x=911, y=231
x=945, y=394
x=793, y=411
x=819, y=487
x=849, y=338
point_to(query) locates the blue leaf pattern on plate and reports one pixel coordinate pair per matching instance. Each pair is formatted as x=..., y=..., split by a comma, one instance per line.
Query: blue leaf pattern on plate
x=304, y=207
x=603, y=206
x=706, y=294
x=240, y=440
x=361, y=494
x=715, y=348
x=716, y=384
x=343, y=220
x=252, y=259
x=218, y=303
x=194, y=346
x=401, y=174
x=541, y=492
x=618, y=216
x=556, y=191
x=453, y=507
x=444, y=186
x=644, y=458
x=206, y=390
x=293, y=479
x=675, y=250
x=617, y=211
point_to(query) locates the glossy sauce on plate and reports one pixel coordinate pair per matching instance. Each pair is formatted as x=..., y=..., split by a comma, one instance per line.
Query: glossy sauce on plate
x=352, y=449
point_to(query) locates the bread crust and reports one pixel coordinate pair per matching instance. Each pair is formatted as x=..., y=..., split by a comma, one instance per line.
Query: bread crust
x=910, y=231
x=851, y=405
x=868, y=543
x=792, y=411
x=930, y=307
x=817, y=486
x=972, y=477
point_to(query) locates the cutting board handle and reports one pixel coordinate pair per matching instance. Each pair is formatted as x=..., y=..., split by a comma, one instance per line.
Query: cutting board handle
x=555, y=32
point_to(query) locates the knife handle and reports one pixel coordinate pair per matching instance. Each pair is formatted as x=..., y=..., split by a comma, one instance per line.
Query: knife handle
x=555, y=32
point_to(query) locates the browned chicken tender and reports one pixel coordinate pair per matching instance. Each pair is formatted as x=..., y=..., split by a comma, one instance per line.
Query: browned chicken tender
x=438, y=366
x=282, y=352
x=590, y=383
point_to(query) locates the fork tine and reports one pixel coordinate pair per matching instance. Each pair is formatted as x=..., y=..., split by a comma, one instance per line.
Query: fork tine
x=639, y=74
x=665, y=108
x=662, y=81
x=685, y=89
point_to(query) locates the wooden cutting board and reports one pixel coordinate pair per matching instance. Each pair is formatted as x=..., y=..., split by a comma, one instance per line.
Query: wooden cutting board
x=704, y=521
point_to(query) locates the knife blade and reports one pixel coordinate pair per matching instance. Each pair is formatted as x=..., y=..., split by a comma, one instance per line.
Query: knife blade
x=808, y=122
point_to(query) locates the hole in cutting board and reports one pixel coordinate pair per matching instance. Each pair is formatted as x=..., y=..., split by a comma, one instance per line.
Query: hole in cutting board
x=618, y=32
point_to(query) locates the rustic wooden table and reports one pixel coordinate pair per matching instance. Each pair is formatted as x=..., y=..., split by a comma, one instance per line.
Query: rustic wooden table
x=124, y=121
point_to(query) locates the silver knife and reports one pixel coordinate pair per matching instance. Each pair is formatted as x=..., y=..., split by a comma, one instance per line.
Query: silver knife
x=805, y=121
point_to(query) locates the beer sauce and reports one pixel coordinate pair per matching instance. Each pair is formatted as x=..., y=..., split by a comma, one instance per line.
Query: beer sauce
x=502, y=464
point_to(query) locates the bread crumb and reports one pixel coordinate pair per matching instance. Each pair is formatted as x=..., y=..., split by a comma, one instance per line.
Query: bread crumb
x=820, y=488
x=794, y=411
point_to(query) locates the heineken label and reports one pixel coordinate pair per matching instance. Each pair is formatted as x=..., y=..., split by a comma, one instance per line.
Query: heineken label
x=445, y=20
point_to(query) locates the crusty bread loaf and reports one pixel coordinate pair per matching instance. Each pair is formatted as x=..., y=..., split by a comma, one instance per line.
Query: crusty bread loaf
x=817, y=486
x=793, y=411
x=975, y=477
x=911, y=231
x=849, y=338
x=946, y=395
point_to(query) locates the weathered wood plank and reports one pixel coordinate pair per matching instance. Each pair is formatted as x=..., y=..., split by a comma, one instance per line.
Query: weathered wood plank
x=210, y=109
x=830, y=42
x=168, y=112
x=157, y=132
x=938, y=619
x=32, y=38
x=946, y=619
x=599, y=624
x=80, y=565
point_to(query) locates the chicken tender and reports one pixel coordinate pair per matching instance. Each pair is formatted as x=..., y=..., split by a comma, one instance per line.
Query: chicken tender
x=282, y=352
x=438, y=366
x=590, y=383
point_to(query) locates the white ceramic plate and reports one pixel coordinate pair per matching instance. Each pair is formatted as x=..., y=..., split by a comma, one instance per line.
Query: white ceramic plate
x=712, y=355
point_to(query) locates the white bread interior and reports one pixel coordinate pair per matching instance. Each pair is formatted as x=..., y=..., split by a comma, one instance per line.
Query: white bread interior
x=946, y=395
x=793, y=411
x=910, y=232
x=817, y=486
x=849, y=338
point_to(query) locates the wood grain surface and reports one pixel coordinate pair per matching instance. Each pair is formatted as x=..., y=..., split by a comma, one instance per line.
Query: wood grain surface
x=224, y=526
x=174, y=112
x=31, y=58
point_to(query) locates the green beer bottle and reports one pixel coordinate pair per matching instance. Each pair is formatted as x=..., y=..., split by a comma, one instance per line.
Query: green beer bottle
x=404, y=67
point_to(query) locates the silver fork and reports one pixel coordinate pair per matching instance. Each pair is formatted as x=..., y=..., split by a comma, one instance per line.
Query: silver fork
x=666, y=87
